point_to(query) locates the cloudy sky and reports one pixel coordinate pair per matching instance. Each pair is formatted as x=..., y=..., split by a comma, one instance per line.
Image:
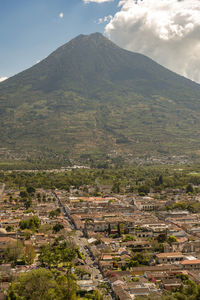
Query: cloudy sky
x=168, y=31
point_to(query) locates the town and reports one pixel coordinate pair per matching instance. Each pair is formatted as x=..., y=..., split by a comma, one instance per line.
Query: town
x=120, y=245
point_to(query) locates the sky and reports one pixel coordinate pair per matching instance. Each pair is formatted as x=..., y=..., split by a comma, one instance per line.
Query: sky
x=167, y=31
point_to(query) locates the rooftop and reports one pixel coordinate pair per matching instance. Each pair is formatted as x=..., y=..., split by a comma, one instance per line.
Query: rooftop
x=190, y=262
x=170, y=254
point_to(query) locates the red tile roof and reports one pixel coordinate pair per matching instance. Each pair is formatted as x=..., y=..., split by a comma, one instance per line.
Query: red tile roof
x=191, y=262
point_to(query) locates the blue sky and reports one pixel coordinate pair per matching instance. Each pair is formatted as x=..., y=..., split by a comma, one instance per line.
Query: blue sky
x=168, y=31
x=31, y=29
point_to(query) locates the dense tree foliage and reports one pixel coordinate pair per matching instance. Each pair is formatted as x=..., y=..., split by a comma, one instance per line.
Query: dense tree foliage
x=32, y=223
x=29, y=254
x=13, y=252
x=53, y=255
x=57, y=227
x=42, y=284
x=124, y=179
x=54, y=213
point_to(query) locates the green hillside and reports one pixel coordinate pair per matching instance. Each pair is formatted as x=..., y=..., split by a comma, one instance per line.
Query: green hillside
x=91, y=97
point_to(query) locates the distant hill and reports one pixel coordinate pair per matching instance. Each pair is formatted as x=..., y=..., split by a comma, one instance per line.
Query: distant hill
x=91, y=98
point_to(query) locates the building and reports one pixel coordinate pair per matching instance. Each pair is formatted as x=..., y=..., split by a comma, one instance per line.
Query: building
x=171, y=257
x=191, y=264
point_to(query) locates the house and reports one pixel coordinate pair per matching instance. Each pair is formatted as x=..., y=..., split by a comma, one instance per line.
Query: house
x=86, y=285
x=171, y=257
x=107, y=257
x=171, y=284
x=140, y=291
x=177, y=214
x=146, y=205
x=96, y=226
x=153, y=269
x=138, y=246
x=156, y=228
x=123, y=251
x=191, y=264
x=120, y=293
x=106, y=265
x=117, y=282
x=143, y=233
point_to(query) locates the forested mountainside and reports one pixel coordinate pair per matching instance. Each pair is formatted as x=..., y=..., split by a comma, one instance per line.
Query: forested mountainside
x=91, y=98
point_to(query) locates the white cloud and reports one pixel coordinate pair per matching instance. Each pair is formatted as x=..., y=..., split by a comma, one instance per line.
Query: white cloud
x=97, y=1
x=168, y=31
x=100, y=21
x=105, y=19
x=3, y=78
x=61, y=15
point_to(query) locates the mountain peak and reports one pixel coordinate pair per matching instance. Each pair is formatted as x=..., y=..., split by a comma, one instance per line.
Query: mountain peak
x=82, y=41
x=94, y=35
x=92, y=96
x=96, y=39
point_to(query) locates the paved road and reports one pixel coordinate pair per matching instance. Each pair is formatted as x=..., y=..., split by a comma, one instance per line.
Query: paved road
x=80, y=240
x=90, y=261
x=83, y=244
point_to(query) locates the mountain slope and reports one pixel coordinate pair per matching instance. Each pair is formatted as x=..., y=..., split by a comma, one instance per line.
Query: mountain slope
x=90, y=97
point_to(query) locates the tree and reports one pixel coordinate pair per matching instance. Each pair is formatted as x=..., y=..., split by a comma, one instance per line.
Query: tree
x=37, y=284
x=27, y=233
x=9, y=228
x=95, y=295
x=191, y=288
x=30, y=190
x=54, y=213
x=189, y=188
x=128, y=237
x=13, y=251
x=116, y=187
x=80, y=273
x=68, y=286
x=33, y=223
x=162, y=237
x=29, y=254
x=97, y=192
x=159, y=180
x=27, y=203
x=109, y=229
x=133, y=263
x=143, y=190
x=171, y=239
x=23, y=194
x=138, y=259
x=57, y=227
x=52, y=255
x=119, y=228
